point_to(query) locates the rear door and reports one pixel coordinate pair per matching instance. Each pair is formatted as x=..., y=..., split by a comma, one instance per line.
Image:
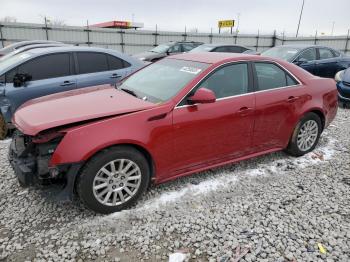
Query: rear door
x=96, y=68
x=217, y=131
x=326, y=65
x=50, y=74
x=278, y=97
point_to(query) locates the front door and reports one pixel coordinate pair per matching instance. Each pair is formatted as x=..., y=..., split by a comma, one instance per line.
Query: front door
x=50, y=74
x=209, y=133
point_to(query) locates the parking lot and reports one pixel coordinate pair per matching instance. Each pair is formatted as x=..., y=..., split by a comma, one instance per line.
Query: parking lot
x=275, y=208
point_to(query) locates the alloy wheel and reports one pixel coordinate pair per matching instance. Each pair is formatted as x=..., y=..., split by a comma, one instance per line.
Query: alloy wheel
x=307, y=135
x=117, y=182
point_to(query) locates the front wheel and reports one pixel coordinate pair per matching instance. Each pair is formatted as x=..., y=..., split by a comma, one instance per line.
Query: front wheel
x=113, y=180
x=306, y=135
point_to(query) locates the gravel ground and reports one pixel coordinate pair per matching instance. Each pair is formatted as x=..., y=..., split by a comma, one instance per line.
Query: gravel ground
x=272, y=208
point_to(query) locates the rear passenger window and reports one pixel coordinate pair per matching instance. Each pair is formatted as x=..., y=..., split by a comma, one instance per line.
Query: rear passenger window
x=44, y=67
x=271, y=76
x=228, y=81
x=115, y=63
x=92, y=62
x=325, y=53
x=220, y=49
x=235, y=49
x=309, y=54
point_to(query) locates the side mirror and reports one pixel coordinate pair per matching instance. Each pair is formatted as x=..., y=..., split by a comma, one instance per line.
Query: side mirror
x=20, y=79
x=300, y=61
x=202, y=96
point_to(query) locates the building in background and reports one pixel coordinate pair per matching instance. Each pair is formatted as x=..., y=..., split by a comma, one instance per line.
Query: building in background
x=119, y=24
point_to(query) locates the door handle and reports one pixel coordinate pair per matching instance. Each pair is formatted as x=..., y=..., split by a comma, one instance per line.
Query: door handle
x=245, y=110
x=292, y=99
x=67, y=83
x=115, y=76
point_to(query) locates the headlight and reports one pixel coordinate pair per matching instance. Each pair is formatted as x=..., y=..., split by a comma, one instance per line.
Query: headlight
x=339, y=76
x=142, y=58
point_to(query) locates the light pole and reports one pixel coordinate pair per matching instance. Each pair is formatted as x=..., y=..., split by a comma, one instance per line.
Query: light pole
x=332, y=28
x=238, y=16
x=301, y=13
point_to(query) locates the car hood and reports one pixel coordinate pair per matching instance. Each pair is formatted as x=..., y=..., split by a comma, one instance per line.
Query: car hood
x=149, y=55
x=75, y=106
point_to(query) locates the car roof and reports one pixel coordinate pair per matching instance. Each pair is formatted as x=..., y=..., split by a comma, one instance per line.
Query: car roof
x=222, y=44
x=299, y=46
x=68, y=48
x=213, y=57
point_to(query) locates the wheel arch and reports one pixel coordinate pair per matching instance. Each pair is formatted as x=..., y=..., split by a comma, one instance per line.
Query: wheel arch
x=320, y=114
x=136, y=146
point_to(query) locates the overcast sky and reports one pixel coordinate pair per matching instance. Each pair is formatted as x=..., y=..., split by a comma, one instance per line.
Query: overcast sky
x=174, y=15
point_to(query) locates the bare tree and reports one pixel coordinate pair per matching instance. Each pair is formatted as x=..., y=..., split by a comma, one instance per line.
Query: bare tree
x=9, y=19
x=56, y=22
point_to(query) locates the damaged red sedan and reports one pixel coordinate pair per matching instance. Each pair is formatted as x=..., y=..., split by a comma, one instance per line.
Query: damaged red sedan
x=181, y=115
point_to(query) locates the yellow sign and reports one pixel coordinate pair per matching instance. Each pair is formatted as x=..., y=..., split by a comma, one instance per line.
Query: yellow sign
x=226, y=23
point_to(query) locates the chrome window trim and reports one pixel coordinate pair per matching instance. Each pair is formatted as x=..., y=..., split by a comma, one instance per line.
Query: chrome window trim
x=259, y=91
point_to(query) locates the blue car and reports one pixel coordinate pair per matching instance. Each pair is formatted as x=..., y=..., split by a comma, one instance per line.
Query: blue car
x=343, y=85
x=43, y=71
x=318, y=60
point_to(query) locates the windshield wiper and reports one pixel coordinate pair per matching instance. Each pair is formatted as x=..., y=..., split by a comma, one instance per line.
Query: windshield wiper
x=129, y=92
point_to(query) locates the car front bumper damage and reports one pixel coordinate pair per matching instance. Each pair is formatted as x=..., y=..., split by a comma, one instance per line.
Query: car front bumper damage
x=30, y=163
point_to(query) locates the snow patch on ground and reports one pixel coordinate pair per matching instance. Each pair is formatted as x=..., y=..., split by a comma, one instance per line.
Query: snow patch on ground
x=6, y=141
x=227, y=178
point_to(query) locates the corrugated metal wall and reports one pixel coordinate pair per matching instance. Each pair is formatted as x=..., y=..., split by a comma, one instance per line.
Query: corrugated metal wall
x=131, y=41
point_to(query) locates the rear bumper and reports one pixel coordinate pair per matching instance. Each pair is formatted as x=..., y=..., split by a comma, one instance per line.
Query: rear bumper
x=33, y=170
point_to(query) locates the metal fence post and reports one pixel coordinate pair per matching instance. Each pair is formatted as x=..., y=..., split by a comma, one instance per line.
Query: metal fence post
x=121, y=32
x=88, y=33
x=274, y=39
x=1, y=36
x=236, y=36
x=283, y=38
x=315, y=42
x=346, y=43
x=185, y=35
x=156, y=37
x=257, y=41
x=211, y=36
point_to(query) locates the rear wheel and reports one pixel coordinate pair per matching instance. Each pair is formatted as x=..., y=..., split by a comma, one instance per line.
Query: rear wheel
x=3, y=127
x=114, y=179
x=306, y=135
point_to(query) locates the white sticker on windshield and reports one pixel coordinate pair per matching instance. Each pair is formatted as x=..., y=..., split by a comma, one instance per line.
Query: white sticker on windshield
x=292, y=51
x=191, y=70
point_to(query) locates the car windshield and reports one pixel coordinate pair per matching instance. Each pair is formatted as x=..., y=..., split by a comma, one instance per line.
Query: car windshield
x=202, y=48
x=161, y=81
x=282, y=52
x=160, y=49
x=8, y=61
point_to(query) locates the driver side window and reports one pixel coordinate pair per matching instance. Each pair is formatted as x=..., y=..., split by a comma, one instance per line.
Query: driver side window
x=2, y=79
x=308, y=55
x=228, y=81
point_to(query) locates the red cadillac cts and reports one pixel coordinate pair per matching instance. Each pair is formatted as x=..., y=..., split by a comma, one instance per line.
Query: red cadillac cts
x=179, y=116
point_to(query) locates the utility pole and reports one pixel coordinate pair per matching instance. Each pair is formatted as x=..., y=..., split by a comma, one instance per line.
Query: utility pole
x=301, y=13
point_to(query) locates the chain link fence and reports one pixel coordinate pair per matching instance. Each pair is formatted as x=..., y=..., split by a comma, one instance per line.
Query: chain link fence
x=134, y=41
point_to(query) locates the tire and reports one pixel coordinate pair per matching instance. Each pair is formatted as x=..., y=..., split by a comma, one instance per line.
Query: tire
x=3, y=128
x=310, y=121
x=98, y=177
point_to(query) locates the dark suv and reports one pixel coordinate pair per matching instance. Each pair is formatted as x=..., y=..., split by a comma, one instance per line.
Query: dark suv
x=166, y=49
